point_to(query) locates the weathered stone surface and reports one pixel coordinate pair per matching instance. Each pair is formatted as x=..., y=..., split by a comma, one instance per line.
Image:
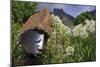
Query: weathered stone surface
x=40, y=20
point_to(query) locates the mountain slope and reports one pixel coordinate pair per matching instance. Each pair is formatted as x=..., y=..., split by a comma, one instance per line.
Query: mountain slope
x=66, y=18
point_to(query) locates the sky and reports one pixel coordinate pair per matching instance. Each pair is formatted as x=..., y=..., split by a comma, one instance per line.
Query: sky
x=70, y=9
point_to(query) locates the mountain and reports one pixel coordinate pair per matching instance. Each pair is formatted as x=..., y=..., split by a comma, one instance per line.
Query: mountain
x=66, y=18
x=93, y=12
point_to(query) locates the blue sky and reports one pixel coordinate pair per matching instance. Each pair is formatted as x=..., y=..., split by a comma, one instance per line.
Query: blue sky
x=73, y=10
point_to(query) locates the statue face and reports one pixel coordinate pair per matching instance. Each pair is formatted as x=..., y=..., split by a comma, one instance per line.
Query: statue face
x=32, y=42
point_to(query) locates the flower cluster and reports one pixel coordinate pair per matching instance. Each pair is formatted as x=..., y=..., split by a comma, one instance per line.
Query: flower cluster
x=56, y=18
x=90, y=25
x=69, y=50
x=79, y=30
x=63, y=42
x=59, y=26
x=83, y=30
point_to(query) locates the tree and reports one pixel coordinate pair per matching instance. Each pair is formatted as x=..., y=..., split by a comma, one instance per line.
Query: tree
x=22, y=10
x=82, y=17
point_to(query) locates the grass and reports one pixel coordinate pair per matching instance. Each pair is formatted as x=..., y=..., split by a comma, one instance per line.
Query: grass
x=55, y=51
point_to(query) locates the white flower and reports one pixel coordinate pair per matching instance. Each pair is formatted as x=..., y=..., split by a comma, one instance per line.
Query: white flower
x=59, y=26
x=79, y=30
x=56, y=18
x=68, y=30
x=69, y=50
x=90, y=25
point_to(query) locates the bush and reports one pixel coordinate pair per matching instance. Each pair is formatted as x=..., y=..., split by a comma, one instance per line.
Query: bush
x=81, y=18
x=22, y=10
x=64, y=47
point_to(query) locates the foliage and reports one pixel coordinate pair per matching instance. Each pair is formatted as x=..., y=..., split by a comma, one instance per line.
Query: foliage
x=81, y=18
x=63, y=47
x=90, y=25
x=16, y=52
x=79, y=30
x=22, y=10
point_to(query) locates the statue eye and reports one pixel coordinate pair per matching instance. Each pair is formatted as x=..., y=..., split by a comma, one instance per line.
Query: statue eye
x=38, y=41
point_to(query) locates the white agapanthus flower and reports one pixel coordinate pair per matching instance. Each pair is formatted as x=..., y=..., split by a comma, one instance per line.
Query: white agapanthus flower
x=90, y=25
x=79, y=30
x=69, y=50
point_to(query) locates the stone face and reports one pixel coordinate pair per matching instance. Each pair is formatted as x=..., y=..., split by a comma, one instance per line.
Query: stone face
x=40, y=21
